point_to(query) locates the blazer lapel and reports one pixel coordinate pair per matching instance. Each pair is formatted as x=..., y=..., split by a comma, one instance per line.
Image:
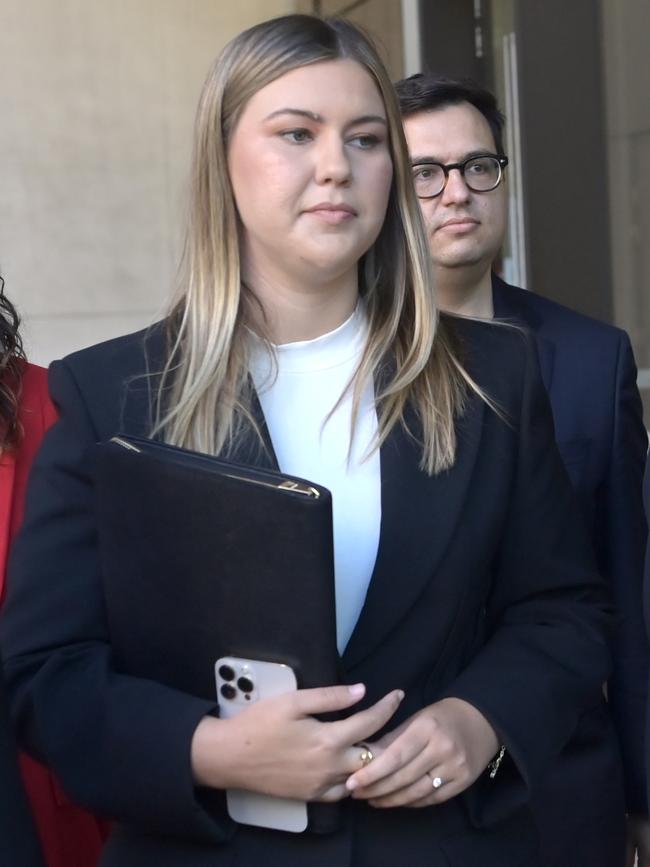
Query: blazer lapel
x=138, y=408
x=546, y=356
x=7, y=481
x=419, y=514
x=510, y=304
x=249, y=450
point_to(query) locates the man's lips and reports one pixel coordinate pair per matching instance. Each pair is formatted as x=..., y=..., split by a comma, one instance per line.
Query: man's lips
x=332, y=212
x=458, y=225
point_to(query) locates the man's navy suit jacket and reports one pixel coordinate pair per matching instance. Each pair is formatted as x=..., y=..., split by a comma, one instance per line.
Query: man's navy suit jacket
x=589, y=372
x=646, y=501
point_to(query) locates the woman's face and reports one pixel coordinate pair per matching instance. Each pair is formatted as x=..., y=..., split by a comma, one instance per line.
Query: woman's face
x=311, y=172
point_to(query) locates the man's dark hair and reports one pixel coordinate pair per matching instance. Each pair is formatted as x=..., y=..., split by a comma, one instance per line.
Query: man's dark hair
x=428, y=92
x=12, y=358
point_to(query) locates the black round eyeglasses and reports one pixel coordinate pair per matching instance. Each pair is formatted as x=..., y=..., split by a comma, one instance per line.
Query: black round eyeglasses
x=481, y=174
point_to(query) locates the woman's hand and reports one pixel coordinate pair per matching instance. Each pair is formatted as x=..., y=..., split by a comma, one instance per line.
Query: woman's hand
x=449, y=743
x=276, y=746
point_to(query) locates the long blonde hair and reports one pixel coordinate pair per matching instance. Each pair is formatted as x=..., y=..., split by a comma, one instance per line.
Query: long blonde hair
x=205, y=384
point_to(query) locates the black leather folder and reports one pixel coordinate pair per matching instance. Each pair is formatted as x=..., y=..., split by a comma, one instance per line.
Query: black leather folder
x=203, y=558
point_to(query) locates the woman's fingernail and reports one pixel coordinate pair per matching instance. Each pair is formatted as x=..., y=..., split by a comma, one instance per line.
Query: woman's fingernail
x=357, y=690
x=400, y=694
x=350, y=784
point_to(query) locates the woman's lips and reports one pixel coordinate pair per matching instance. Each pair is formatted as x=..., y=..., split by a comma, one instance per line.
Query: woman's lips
x=332, y=213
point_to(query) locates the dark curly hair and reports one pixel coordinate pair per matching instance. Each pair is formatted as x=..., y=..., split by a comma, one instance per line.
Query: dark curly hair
x=12, y=360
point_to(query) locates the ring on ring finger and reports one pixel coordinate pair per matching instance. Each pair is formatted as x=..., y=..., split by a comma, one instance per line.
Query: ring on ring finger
x=436, y=781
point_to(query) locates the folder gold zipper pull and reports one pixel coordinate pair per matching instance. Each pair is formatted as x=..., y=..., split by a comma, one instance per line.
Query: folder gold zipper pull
x=307, y=490
x=284, y=485
x=125, y=444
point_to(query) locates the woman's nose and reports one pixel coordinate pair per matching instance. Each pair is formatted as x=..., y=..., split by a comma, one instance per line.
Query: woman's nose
x=333, y=162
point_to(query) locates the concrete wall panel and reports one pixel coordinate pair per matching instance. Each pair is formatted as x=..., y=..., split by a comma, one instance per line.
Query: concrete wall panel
x=97, y=102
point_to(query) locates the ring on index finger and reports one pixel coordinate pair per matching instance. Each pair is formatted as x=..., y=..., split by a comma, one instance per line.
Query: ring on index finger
x=436, y=782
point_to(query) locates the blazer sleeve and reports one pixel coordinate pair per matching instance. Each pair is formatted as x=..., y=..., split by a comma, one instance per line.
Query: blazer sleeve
x=621, y=544
x=18, y=840
x=547, y=620
x=119, y=745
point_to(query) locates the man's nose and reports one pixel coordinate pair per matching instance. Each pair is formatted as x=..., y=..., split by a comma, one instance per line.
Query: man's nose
x=456, y=190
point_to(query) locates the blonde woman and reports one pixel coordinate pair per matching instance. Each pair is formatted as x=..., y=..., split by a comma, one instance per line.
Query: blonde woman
x=469, y=620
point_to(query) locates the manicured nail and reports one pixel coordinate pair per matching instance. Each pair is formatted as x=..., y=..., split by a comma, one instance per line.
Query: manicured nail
x=400, y=694
x=350, y=784
x=357, y=690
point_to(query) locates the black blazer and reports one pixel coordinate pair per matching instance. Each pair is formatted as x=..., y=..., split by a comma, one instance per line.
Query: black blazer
x=646, y=596
x=484, y=588
x=18, y=839
x=590, y=376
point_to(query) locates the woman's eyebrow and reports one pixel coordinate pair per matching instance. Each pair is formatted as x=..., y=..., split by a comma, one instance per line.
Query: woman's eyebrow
x=318, y=118
x=369, y=118
x=301, y=112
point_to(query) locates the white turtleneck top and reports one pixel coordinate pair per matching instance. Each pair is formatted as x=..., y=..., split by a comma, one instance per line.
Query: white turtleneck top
x=311, y=376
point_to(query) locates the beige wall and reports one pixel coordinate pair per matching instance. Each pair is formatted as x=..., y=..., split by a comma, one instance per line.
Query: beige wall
x=382, y=19
x=96, y=107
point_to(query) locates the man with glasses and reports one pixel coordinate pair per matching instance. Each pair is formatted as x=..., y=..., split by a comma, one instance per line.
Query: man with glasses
x=454, y=134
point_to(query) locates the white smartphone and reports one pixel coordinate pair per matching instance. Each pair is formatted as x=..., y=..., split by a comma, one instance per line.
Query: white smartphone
x=240, y=683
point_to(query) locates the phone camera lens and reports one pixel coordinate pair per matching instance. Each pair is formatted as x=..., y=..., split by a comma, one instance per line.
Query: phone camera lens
x=228, y=691
x=245, y=684
x=226, y=672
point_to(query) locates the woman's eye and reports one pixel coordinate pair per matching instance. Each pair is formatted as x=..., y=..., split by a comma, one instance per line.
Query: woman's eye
x=365, y=141
x=297, y=136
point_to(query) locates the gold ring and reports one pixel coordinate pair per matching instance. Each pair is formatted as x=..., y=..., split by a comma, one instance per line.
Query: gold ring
x=365, y=756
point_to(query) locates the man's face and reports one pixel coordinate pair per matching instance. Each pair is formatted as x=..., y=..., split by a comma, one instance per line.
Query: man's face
x=464, y=228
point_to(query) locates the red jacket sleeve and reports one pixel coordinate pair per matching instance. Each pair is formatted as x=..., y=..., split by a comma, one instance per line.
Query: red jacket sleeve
x=70, y=837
